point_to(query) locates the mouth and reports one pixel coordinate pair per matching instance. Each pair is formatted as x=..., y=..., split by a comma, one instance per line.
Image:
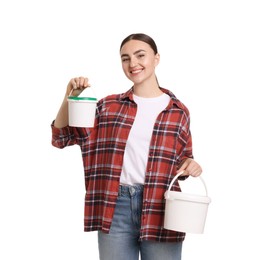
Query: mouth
x=136, y=71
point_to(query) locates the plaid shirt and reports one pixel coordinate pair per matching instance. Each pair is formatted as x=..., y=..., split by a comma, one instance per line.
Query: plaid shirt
x=103, y=148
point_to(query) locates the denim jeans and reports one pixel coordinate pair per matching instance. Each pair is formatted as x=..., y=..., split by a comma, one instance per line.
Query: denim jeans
x=122, y=242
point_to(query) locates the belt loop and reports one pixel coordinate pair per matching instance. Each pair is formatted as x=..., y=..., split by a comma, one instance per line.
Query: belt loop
x=119, y=193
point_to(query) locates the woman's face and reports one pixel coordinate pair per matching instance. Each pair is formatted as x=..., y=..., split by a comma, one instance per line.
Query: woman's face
x=138, y=61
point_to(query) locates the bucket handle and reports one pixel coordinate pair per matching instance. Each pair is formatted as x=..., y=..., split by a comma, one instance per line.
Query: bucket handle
x=71, y=92
x=179, y=174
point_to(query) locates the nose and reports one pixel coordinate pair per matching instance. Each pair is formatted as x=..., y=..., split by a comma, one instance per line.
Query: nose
x=133, y=62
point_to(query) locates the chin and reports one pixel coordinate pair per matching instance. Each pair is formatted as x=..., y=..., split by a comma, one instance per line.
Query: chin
x=136, y=81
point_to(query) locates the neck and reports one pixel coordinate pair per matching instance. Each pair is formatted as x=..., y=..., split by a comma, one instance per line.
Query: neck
x=147, y=91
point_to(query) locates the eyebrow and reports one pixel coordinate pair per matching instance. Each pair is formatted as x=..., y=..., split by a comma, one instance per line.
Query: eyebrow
x=124, y=55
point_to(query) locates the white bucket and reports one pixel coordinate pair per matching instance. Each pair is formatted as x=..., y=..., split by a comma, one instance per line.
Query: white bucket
x=81, y=111
x=185, y=212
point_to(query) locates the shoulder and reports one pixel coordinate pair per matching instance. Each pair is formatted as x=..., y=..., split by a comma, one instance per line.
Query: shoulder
x=181, y=105
x=110, y=99
x=113, y=98
x=178, y=104
x=114, y=102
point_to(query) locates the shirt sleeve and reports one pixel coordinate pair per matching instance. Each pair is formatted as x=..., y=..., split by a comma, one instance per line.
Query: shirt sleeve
x=67, y=136
x=185, y=139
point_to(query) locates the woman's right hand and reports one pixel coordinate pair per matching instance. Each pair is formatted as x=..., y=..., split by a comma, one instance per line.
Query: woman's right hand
x=77, y=85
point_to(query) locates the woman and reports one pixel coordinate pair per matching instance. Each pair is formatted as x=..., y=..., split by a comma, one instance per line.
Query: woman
x=141, y=139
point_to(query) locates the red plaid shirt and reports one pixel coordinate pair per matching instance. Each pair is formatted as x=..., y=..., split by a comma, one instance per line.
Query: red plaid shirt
x=103, y=148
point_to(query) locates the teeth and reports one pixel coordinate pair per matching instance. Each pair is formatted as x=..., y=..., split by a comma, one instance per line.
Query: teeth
x=136, y=71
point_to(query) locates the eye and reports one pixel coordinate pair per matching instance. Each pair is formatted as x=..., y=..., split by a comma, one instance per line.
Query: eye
x=125, y=59
x=141, y=56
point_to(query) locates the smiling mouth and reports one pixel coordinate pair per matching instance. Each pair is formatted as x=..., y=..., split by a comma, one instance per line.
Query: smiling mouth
x=136, y=71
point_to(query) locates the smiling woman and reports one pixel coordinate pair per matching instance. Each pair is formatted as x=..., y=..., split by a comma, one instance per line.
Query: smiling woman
x=140, y=56
x=141, y=139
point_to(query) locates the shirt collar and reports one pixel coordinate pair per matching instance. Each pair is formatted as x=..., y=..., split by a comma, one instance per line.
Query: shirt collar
x=174, y=100
x=127, y=95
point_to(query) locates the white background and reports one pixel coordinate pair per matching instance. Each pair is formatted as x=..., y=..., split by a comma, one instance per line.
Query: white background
x=211, y=58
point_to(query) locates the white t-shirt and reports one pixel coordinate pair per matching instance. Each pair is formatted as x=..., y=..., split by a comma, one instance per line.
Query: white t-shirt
x=137, y=146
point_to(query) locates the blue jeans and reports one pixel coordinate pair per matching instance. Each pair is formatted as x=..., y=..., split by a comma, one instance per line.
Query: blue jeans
x=122, y=242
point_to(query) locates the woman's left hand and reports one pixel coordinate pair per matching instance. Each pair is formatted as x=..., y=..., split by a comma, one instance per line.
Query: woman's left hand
x=190, y=167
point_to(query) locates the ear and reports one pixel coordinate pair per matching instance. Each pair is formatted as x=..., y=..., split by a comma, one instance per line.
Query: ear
x=157, y=59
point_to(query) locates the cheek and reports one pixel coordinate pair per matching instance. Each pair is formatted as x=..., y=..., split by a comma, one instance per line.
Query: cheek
x=149, y=62
x=125, y=68
x=150, y=65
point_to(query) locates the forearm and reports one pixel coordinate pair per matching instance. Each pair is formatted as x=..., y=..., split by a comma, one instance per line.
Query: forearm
x=62, y=115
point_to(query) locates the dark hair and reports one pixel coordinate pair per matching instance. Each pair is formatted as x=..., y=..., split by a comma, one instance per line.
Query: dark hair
x=141, y=37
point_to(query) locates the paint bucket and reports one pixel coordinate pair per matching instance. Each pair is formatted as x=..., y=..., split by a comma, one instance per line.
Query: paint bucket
x=82, y=109
x=185, y=212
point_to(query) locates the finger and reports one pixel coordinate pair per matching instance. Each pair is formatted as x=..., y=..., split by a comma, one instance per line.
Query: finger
x=185, y=173
x=77, y=83
x=73, y=83
x=191, y=167
x=86, y=83
x=184, y=165
x=196, y=171
x=194, y=174
x=81, y=82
